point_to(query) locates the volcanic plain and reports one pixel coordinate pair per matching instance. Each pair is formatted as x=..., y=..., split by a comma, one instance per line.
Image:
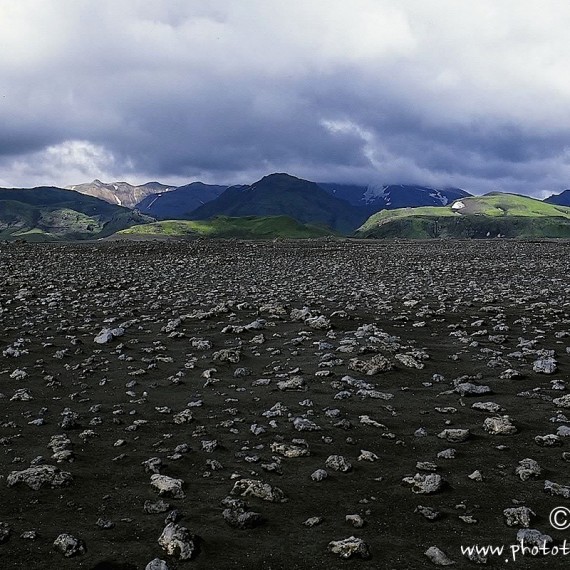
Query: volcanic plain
x=283, y=405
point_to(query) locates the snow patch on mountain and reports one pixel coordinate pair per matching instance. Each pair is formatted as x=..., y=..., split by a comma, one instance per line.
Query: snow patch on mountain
x=373, y=193
x=437, y=195
x=157, y=196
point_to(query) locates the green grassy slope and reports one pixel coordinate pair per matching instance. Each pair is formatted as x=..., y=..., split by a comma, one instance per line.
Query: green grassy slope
x=492, y=215
x=52, y=214
x=252, y=227
x=499, y=204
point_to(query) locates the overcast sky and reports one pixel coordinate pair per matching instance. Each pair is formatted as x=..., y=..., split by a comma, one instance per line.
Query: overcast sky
x=474, y=94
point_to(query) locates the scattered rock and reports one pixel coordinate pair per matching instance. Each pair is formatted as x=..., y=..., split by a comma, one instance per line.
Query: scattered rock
x=241, y=518
x=41, y=476
x=338, y=463
x=313, y=521
x=428, y=512
x=375, y=365
x=355, y=520
x=178, y=542
x=563, y=401
x=518, y=516
x=533, y=537
x=156, y=507
x=423, y=484
x=528, y=468
x=288, y=450
x=455, y=435
x=168, y=486
x=438, y=557
x=107, y=335
x=319, y=475
x=548, y=440
x=5, y=531
x=500, y=425
x=68, y=545
x=545, y=366
x=256, y=488
x=557, y=490
x=470, y=389
x=349, y=547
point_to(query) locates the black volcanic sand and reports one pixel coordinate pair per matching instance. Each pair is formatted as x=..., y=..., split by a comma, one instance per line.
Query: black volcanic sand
x=54, y=300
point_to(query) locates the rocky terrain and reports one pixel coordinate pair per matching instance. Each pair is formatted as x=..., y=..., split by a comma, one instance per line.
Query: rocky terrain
x=317, y=404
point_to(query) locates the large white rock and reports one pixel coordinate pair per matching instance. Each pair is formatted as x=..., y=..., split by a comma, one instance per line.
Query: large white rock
x=168, y=486
x=349, y=547
x=40, y=476
x=107, y=335
x=177, y=541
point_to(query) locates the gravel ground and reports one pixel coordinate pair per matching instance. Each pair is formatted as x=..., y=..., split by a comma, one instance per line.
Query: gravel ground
x=254, y=404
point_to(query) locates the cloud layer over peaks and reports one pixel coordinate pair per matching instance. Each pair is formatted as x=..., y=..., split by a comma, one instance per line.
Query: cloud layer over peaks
x=472, y=94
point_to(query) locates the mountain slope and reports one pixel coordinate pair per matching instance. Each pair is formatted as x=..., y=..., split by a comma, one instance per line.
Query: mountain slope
x=394, y=195
x=249, y=227
x=492, y=215
x=180, y=201
x=119, y=193
x=49, y=214
x=285, y=195
x=562, y=199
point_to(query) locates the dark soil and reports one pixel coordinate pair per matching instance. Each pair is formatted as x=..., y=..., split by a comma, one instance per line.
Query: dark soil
x=57, y=298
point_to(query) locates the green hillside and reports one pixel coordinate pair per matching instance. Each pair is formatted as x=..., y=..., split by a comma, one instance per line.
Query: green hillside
x=249, y=227
x=489, y=216
x=53, y=214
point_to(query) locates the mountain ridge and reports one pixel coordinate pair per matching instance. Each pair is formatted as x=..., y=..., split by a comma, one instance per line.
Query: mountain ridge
x=392, y=196
x=181, y=201
x=282, y=194
x=562, y=199
x=119, y=193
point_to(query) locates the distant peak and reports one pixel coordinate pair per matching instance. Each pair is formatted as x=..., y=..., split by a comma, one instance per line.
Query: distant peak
x=279, y=175
x=98, y=182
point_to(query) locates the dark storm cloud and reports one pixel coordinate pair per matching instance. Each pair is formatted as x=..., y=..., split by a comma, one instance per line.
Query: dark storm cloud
x=436, y=92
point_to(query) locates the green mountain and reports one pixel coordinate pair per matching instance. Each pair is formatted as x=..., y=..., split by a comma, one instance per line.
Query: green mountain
x=493, y=215
x=52, y=214
x=285, y=195
x=250, y=227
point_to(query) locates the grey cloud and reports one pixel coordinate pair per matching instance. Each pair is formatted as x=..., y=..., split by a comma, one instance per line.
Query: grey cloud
x=367, y=91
